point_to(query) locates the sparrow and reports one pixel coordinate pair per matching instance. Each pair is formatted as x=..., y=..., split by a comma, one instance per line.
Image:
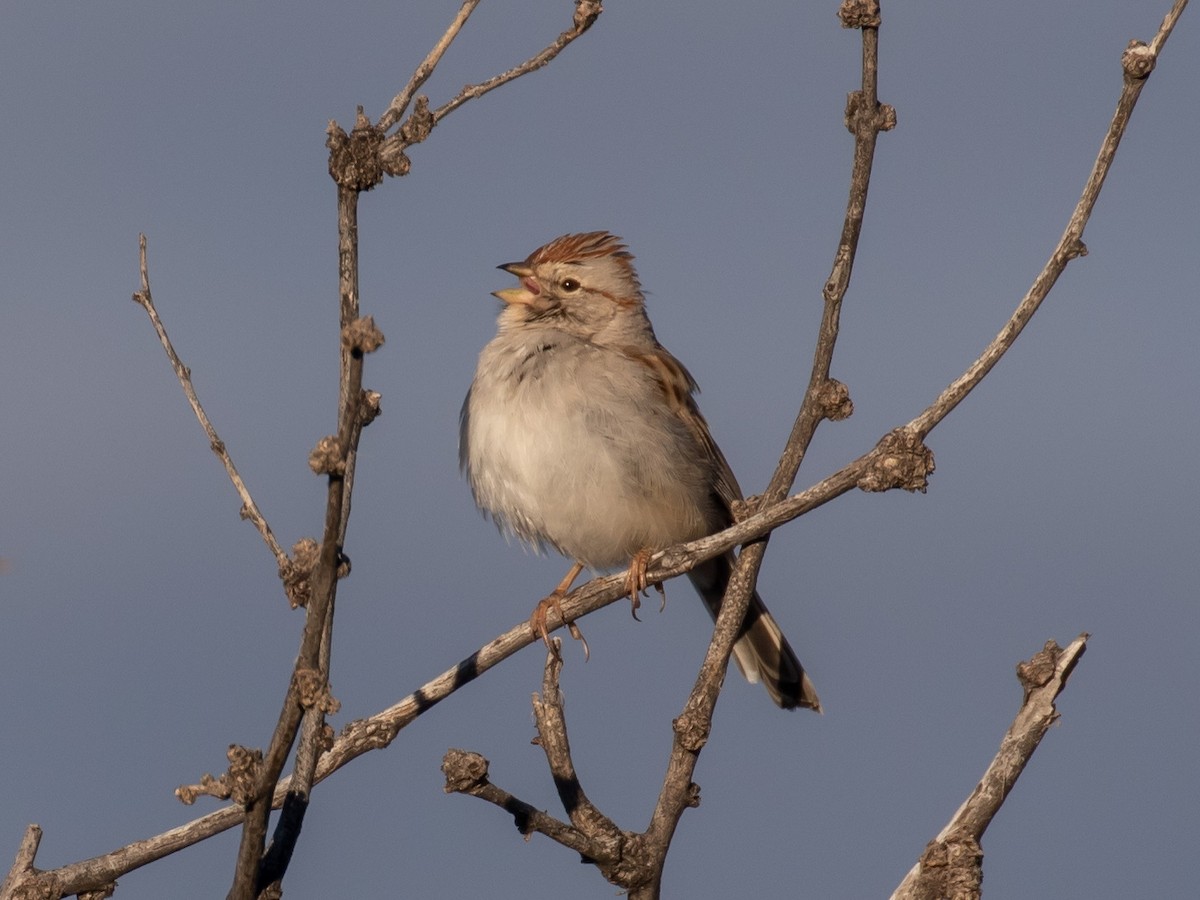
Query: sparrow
x=581, y=433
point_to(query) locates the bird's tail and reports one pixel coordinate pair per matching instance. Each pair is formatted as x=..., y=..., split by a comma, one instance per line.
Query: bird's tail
x=761, y=652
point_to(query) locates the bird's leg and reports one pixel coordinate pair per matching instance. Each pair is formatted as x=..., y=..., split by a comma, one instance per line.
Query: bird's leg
x=537, y=621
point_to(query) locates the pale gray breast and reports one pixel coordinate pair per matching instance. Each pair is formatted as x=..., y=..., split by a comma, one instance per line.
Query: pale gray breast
x=571, y=445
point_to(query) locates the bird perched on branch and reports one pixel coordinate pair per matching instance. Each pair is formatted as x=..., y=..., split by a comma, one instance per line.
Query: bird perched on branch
x=581, y=432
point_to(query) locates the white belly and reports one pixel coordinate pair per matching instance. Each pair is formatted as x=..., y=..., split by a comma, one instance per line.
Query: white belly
x=578, y=451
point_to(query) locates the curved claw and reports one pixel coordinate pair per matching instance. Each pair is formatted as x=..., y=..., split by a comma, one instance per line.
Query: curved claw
x=541, y=612
x=636, y=582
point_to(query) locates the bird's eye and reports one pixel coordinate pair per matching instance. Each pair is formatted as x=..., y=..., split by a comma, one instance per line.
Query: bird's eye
x=569, y=285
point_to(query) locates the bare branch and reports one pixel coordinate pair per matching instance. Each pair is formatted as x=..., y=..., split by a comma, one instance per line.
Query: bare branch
x=22, y=868
x=865, y=118
x=952, y=862
x=250, y=509
x=586, y=13
x=1137, y=62
x=625, y=858
x=467, y=773
x=422, y=121
x=399, y=104
x=552, y=737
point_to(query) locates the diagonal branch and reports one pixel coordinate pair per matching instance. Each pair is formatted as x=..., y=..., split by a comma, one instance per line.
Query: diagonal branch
x=1137, y=62
x=952, y=862
x=586, y=13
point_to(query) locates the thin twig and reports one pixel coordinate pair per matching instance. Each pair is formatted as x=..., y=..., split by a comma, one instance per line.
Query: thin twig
x=865, y=118
x=399, y=105
x=1138, y=62
x=423, y=120
x=250, y=509
x=467, y=773
x=586, y=12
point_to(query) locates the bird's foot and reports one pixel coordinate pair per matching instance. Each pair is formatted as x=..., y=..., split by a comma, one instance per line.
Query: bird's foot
x=636, y=582
x=538, y=622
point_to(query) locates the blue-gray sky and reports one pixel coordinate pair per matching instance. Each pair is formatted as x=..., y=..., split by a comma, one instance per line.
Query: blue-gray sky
x=143, y=628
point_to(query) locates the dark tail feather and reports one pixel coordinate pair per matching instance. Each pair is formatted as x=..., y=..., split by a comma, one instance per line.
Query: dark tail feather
x=762, y=652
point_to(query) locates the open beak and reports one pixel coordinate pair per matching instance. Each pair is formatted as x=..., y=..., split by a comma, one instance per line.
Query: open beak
x=526, y=293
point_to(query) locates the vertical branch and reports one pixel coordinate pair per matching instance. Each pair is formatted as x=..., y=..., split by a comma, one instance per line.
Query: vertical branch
x=354, y=166
x=865, y=118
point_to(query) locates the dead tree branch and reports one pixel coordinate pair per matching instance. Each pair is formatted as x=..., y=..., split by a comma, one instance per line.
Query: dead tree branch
x=952, y=864
x=249, y=509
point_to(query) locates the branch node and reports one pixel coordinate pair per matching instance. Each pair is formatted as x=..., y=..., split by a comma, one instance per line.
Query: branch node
x=354, y=159
x=237, y=782
x=362, y=335
x=368, y=407
x=40, y=886
x=586, y=12
x=245, y=764
x=419, y=123
x=885, y=117
x=296, y=573
x=1037, y=671
x=100, y=893
x=952, y=867
x=1138, y=61
x=392, y=157
x=899, y=460
x=859, y=14
x=692, y=730
x=312, y=690
x=833, y=400
x=862, y=117
x=326, y=457
x=464, y=770
x=744, y=509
